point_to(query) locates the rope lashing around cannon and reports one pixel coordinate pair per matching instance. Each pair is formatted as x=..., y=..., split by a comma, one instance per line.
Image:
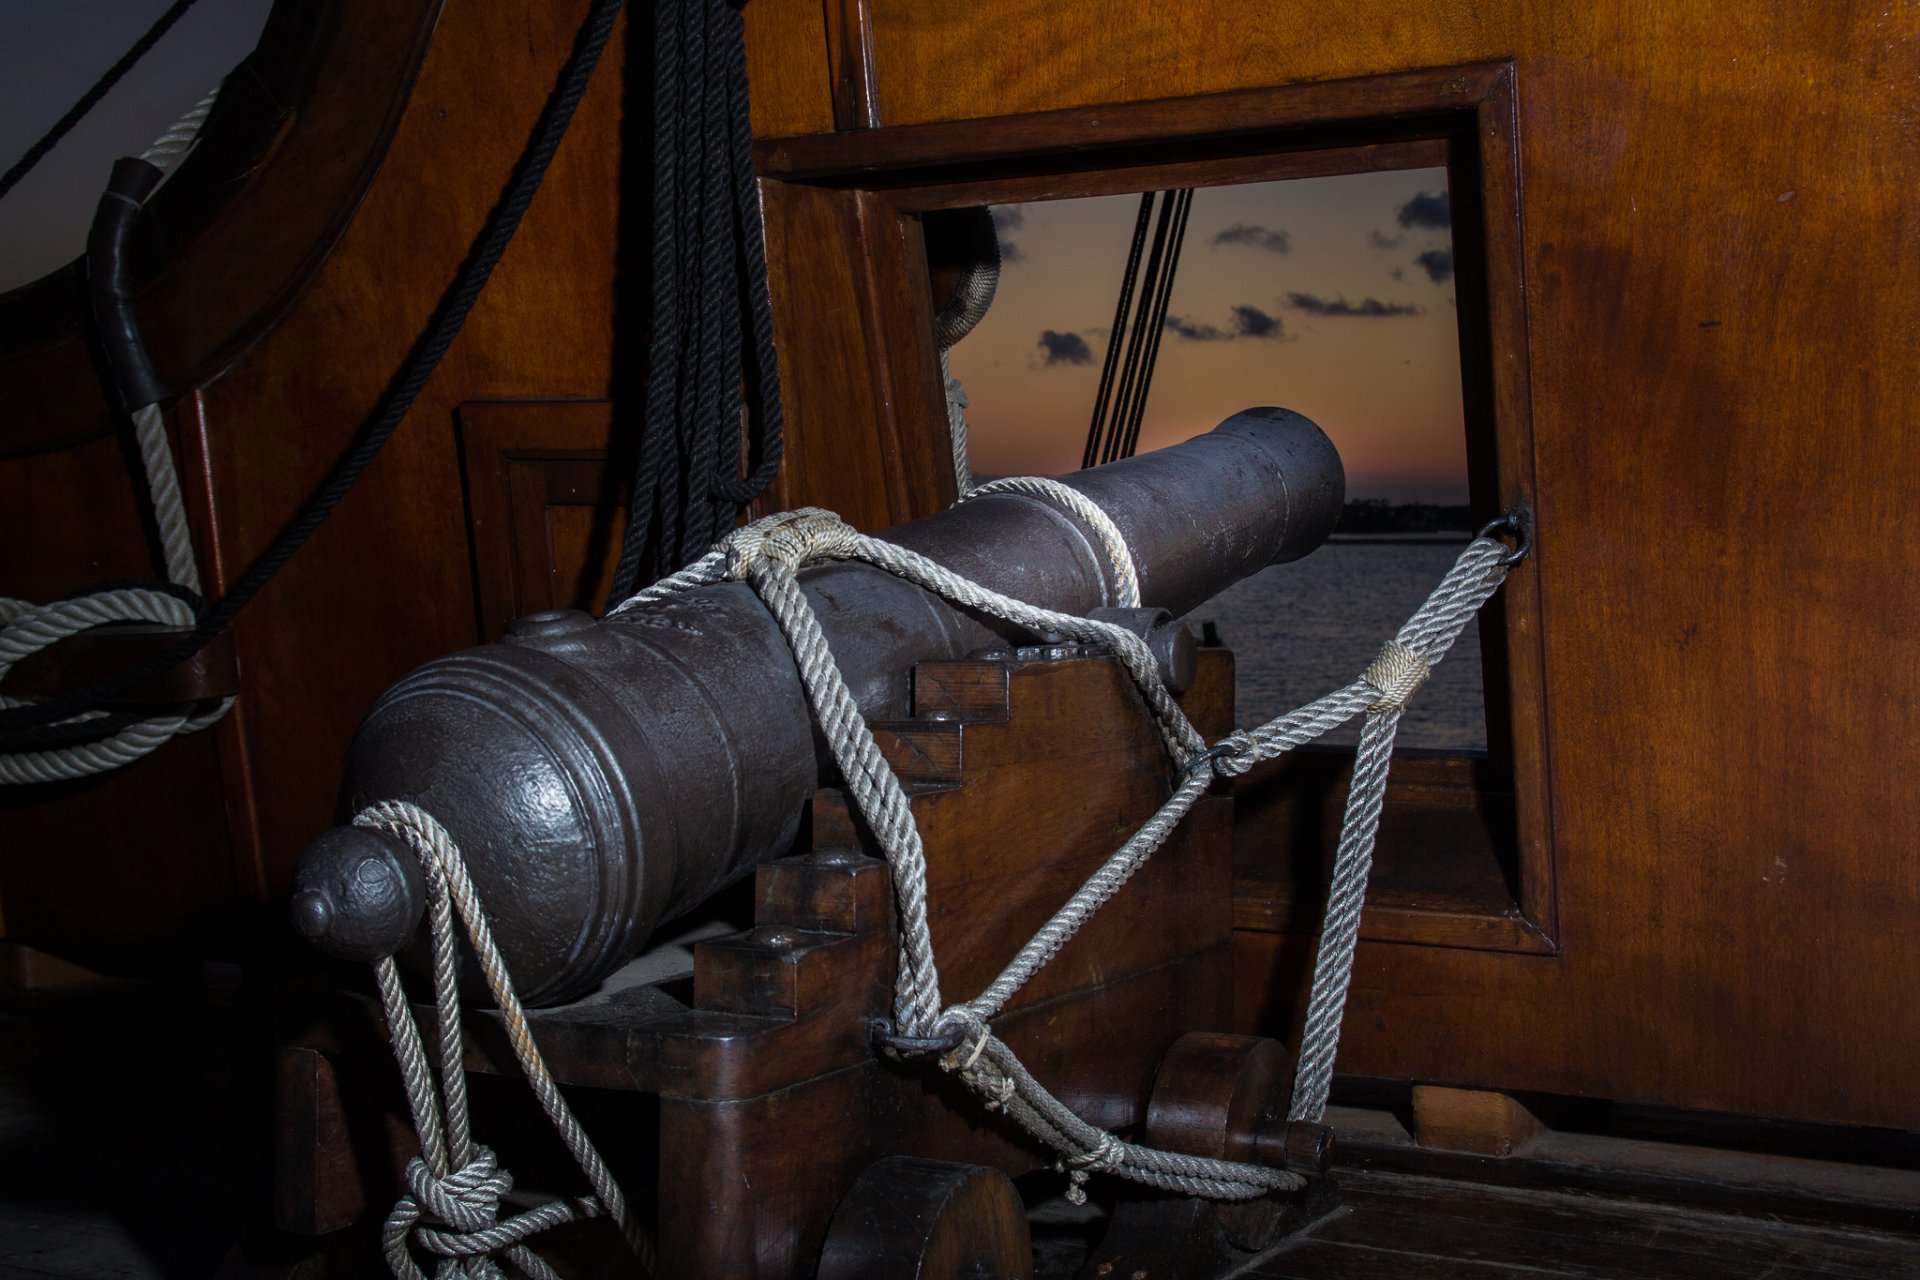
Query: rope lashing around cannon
x=768, y=555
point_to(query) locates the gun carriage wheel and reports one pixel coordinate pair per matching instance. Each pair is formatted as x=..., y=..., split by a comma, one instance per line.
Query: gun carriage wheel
x=911, y=1219
x=1222, y=1096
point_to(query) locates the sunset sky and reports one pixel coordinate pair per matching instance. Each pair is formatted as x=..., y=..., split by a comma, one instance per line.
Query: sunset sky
x=1329, y=296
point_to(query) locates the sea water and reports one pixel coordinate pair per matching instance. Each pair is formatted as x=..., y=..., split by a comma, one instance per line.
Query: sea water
x=1304, y=629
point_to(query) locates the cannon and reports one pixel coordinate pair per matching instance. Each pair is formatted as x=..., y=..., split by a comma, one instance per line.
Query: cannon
x=604, y=776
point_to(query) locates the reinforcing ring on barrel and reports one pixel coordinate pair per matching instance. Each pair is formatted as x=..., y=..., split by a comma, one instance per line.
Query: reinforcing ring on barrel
x=1518, y=521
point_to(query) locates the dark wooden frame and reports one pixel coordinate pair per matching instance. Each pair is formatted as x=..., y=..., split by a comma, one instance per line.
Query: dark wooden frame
x=853, y=300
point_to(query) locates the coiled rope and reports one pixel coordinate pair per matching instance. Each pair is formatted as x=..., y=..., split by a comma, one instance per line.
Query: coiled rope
x=709, y=301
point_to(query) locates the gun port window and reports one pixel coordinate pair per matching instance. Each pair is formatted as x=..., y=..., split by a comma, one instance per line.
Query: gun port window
x=1127, y=323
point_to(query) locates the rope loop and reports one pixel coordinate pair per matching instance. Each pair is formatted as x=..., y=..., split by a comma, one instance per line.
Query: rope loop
x=793, y=540
x=1126, y=578
x=455, y=1185
x=973, y=1032
x=1230, y=757
x=27, y=628
x=1398, y=672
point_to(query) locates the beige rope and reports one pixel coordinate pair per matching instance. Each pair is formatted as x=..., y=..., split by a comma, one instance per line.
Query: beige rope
x=454, y=1185
x=769, y=553
x=1126, y=580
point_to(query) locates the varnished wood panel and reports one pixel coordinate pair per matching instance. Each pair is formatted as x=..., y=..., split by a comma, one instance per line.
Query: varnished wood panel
x=546, y=498
x=391, y=574
x=1713, y=259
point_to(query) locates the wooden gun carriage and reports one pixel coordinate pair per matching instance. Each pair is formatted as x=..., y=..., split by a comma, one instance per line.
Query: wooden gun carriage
x=783, y=1141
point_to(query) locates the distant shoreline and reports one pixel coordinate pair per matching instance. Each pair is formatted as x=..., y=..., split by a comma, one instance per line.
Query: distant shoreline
x=1437, y=538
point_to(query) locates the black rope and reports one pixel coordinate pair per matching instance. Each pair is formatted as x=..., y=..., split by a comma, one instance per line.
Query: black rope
x=1157, y=325
x=393, y=405
x=1096, y=430
x=710, y=305
x=1137, y=335
x=91, y=98
x=1120, y=403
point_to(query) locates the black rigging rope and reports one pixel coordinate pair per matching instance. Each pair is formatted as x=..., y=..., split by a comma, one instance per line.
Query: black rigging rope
x=1182, y=202
x=1120, y=403
x=1095, y=430
x=91, y=98
x=709, y=295
x=28, y=726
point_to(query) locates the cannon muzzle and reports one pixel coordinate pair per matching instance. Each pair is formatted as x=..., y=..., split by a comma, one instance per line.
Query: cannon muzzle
x=604, y=776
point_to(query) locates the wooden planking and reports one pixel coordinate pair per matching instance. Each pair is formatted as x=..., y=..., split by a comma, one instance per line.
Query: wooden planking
x=1396, y=1225
x=546, y=494
x=788, y=74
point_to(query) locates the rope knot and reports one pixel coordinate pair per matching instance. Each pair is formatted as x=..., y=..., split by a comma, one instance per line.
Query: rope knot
x=1106, y=1156
x=792, y=539
x=1397, y=673
x=973, y=1039
x=467, y=1200
x=1230, y=757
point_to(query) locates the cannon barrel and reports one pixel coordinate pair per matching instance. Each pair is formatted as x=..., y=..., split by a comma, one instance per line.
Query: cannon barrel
x=604, y=776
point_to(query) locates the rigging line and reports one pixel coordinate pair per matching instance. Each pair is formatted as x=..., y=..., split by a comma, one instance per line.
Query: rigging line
x=1130, y=354
x=763, y=380
x=649, y=501
x=393, y=406
x=91, y=98
x=1136, y=337
x=699, y=429
x=710, y=300
x=1184, y=204
x=1117, y=334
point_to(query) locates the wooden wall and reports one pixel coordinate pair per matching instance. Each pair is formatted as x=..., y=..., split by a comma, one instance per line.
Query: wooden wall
x=1716, y=273
x=1712, y=302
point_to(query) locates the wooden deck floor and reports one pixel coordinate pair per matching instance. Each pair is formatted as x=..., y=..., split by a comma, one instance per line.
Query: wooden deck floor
x=1406, y=1226
x=135, y=1133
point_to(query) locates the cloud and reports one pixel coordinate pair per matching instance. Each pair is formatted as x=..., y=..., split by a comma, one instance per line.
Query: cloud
x=1265, y=238
x=1429, y=211
x=1008, y=217
x=1064, y=348
x=1370, y=308
x=1252, y=322
x=1438, y=264
x=1381, y=240
x=1196, y=331
x=1246, y=322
